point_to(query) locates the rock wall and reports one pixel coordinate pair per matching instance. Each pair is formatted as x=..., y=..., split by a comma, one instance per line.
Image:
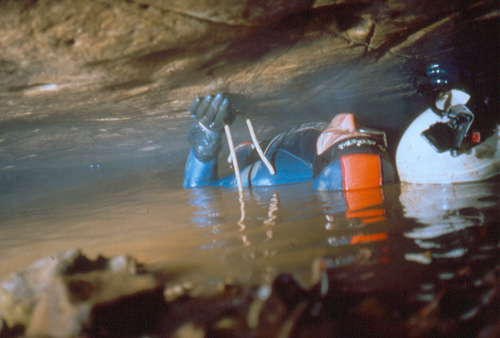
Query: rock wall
x=300, y=56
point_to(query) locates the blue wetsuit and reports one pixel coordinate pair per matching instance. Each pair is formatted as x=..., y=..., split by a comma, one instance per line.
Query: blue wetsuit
x=293, y=155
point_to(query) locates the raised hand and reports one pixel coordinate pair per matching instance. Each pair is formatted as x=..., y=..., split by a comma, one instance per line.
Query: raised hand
x=212, y=112
x=205, y=136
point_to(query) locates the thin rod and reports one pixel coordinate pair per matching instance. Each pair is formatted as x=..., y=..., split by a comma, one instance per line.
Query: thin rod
x=233, y=155
x=258, y=148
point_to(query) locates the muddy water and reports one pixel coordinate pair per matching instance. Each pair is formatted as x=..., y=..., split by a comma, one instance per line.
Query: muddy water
x=103, y=171
x=125, y=198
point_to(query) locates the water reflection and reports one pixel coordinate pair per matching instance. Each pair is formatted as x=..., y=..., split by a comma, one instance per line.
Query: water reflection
x=452, y=217
x=456, y=243
x=403, y=237
x=359, y=208
x=268, y=230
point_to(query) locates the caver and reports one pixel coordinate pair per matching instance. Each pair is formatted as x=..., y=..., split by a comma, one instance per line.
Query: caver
x=341, y=155
x=457, y=139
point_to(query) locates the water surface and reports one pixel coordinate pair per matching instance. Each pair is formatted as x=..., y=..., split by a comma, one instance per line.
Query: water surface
x=404, y=236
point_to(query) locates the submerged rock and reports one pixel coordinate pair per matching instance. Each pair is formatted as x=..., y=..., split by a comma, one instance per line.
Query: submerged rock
x=56, y=295
x=20, y=293
x=69, y=295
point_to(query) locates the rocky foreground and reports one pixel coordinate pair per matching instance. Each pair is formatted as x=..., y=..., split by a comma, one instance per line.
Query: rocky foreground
x=70, y=295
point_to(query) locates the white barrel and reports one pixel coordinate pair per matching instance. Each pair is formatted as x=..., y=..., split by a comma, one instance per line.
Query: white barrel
x=417, y=162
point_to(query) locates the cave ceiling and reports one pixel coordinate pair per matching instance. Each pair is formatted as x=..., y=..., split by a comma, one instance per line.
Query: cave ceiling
x=302, y=58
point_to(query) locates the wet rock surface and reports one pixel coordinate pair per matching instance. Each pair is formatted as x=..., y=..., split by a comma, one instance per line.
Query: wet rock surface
x=298, y=58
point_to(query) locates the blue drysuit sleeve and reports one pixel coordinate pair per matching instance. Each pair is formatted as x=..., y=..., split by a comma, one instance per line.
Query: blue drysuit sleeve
x=290, y=169
x=291, y=159
x=198, y=173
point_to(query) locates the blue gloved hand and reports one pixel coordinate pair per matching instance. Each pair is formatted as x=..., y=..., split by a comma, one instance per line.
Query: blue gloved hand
x=205, y=136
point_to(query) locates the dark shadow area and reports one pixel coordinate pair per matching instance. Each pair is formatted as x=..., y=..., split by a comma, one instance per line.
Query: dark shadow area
x=157, y=58
x=300, y=26
x=129, y=85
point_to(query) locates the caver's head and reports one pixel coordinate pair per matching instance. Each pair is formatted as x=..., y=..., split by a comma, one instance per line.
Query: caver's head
x=350, y=157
